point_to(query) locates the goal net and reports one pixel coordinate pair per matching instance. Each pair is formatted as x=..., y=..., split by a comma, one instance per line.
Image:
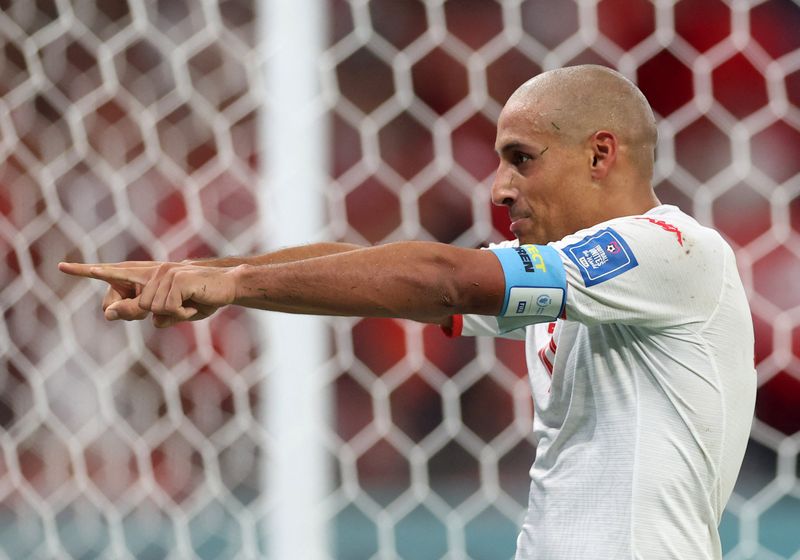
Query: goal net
x=130, y=130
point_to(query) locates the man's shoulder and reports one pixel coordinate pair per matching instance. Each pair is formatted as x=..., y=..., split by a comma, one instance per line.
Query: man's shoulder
x=665, y=228
x=663, y=247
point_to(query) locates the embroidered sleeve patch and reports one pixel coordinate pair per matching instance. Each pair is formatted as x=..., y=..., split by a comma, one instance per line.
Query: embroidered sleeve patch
x=601, y=256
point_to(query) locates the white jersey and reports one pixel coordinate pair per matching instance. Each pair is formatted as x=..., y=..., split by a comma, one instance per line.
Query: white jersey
x=643, y=394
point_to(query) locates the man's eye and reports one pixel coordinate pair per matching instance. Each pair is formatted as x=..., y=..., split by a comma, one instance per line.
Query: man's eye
x=519, y=158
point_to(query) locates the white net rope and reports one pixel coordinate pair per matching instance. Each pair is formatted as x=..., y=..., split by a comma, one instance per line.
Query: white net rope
x=129, y=131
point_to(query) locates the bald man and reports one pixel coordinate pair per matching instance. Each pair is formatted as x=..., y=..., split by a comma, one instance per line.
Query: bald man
x=638, y=334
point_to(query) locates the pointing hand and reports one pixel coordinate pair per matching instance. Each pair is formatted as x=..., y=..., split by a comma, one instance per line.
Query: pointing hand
x=173, y=292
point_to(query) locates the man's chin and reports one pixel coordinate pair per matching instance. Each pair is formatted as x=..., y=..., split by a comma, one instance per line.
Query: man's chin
x=533, y=239
x=522, y=231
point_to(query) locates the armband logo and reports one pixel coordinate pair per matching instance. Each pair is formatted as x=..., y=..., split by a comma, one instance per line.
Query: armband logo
x=601, y=256
x=535, y=302
x=531, y=258
x=543, y=301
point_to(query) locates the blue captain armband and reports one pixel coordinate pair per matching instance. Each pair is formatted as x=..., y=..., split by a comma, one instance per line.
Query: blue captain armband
x=536, y=284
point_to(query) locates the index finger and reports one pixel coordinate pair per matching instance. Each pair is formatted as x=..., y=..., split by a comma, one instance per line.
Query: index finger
x=110, y=272
x=83, y=269
x=122, y=274
x=76, y=269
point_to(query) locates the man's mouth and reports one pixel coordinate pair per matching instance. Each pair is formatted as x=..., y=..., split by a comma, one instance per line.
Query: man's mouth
x=517, y=223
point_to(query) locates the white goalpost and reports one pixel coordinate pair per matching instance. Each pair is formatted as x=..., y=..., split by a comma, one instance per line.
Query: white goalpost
x=295, y=136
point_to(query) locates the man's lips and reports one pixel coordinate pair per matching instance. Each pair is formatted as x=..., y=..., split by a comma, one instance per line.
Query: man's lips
x=516, y=223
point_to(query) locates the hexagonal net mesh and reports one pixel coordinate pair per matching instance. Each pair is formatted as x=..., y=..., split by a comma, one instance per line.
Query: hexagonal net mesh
x=129, y=132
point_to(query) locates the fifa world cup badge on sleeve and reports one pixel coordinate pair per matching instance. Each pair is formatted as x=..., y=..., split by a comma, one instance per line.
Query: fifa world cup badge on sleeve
x=601, y=256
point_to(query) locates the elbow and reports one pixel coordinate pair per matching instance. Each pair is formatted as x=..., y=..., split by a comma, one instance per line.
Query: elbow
x=434, y=293
x=460, y=298
x=449, y=295
x=463, y=292
x=450, y=299
x=455, y=281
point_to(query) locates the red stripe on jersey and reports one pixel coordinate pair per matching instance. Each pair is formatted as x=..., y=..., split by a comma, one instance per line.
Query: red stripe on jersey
x=666, y=227
x=545, y=361
x=553, y=345
x=455, y=330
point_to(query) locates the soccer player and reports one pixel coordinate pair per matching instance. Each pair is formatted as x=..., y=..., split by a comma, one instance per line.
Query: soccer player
x=639, y=337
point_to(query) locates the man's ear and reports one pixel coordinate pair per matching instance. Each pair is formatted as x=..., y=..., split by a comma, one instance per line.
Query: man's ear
x=604, y=147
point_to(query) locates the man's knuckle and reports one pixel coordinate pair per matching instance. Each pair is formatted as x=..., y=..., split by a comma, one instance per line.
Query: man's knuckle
x=165, y=268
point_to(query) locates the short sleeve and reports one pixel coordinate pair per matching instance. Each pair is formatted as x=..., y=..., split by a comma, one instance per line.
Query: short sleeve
x=485, y=325
x=642, y=271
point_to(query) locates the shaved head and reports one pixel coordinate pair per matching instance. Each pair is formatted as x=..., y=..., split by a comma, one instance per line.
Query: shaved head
x=575, y=102
x=576, y=148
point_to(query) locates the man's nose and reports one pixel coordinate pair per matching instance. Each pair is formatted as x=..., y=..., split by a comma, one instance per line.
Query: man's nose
x=503, y=191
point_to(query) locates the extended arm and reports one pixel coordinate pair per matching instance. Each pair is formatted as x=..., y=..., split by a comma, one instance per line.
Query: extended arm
x=415, y=280
x=120, y=300
x=289, y=254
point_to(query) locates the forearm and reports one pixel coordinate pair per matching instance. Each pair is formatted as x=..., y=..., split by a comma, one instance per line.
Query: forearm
x=414, y=280
x=289, y=254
